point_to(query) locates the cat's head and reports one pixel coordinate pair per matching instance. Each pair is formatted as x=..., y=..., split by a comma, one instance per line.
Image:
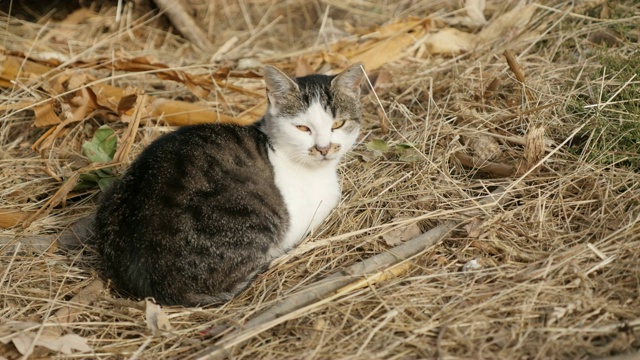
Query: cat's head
x=315, y=119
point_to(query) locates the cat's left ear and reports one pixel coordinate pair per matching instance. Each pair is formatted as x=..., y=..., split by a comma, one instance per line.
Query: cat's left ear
x=278, y=83
x=349, y=80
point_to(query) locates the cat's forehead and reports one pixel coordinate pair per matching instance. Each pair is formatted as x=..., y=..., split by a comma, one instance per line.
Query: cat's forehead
x=318, y=90
x=315, y=88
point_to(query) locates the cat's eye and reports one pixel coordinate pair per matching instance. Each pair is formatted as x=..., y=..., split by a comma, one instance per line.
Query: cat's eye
x=303, y=128
x=337, y=124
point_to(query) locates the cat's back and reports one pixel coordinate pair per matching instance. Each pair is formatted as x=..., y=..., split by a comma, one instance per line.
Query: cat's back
x=199, y=202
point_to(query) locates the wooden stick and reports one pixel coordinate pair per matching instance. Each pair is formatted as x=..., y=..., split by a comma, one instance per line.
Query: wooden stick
x=335, y=285
x=494, y=168
x=323, y=288
x=184, y=23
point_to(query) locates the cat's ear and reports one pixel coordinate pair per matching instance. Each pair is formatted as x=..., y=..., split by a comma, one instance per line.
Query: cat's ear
x=349, y=80
x=278, y=83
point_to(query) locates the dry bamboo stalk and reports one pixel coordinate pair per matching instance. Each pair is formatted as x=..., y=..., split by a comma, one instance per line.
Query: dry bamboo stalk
x=330, y=287
x=184, y=23
x=323, y=288
x=10, y=218
x=130, y=133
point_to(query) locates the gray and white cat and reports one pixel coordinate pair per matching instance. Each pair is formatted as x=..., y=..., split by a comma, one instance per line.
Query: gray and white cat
x=204, y=209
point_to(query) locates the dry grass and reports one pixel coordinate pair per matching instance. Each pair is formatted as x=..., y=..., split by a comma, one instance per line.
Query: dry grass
x=559, y=273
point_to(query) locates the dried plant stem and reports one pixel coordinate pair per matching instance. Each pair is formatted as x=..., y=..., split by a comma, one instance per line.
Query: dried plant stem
x=337, y=284
x=493, y=168
x=184, y=23
x=303, y=300
x=517, y=71
x=376, y=268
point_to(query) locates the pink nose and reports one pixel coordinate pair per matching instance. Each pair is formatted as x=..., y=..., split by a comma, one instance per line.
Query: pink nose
x=324, y=150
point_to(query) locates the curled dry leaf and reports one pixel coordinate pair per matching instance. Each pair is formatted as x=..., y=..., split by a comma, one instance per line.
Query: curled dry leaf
x=23, y=334
x=472, y=265
x=485, y=147
x=401, y=234
x=373, y=48
x=508, y=25
x=475, y=12
x=473, y=227
x=157, y=320
x=45, y=115
x=450, y=41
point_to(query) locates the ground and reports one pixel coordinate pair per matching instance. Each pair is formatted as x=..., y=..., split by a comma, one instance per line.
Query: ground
x=513, y=128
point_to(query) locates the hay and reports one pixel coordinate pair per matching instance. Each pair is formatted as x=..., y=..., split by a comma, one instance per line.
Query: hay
x=552, y=272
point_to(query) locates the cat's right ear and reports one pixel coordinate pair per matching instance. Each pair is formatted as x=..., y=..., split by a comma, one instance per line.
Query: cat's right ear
x=278, y=83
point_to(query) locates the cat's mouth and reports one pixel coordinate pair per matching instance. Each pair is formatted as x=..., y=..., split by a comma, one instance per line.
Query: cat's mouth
x=325, y=158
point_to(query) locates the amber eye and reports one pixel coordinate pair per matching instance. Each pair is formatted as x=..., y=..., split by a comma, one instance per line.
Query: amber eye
x=337, y=124
x=303, y=128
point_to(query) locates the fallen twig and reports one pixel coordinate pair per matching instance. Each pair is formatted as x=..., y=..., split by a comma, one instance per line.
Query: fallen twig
x=494, y=168
x=297, y=304
x=184, y=23
x=336, y=285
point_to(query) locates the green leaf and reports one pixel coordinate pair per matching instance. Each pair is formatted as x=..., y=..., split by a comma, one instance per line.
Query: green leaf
x=404, y=146
x=410, y=155
x=89, y=177
x=377, y=145
x=106, y=140
x=95, y=153
x=83, y=185
x=103, y=146
x=106, y=182
x=103, y=173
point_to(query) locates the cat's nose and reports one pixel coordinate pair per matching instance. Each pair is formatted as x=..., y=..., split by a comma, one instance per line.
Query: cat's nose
x=324, y=150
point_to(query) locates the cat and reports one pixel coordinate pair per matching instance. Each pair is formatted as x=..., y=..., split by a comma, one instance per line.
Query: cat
x=205, y=208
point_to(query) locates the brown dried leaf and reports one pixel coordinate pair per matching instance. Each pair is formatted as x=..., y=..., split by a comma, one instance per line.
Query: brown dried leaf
x=199, y=85
x=126, y=103
x=509, y=24
x=86, y=296
x=382, y=81
x=385, y=51
x=451, y=41
x=305, y=66
x=80, y=106
x=10, y=218
x=45, y=115
x=23, y=334
x=475, y=12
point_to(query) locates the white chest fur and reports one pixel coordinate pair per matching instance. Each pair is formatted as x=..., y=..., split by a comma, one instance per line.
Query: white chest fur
x=310, y=193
